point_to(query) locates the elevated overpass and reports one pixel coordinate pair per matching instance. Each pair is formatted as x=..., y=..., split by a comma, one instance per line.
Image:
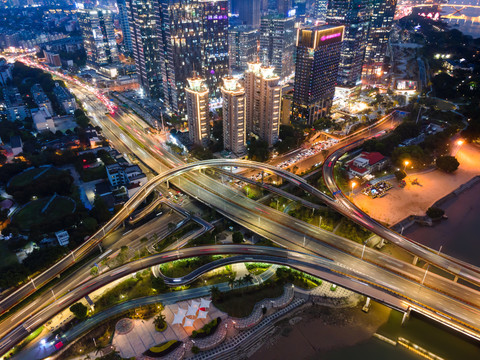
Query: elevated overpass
x=405, y=296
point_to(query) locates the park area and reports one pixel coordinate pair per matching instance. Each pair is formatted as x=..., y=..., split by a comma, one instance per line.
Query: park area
x=415, y=199
x=28, y=176
x=36, y=212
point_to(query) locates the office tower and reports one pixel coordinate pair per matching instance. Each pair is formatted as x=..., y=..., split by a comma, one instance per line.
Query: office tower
x=197, y=111
x=354, y=15
x=124, y=25
x=284, y=7
x=193, y=38
x=97, y=28
x=233, y=116
x=242, y=47
x=277, y=43
x=248, y=12
x=381, y=21
x=318, y=56
x=320, y=9
x=146, y=45
x=263, y=94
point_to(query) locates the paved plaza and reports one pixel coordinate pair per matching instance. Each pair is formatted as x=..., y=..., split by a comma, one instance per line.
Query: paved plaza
x=143, y=335
x=416, y=199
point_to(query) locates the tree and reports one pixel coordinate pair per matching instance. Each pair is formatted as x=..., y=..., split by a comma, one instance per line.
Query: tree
x=100, y=210
x=94, y=271
x=447, y=163
x=216, y=293
x=158, y=284
x=160, y=323
x=248, y=279
x=231, y=282
x=79, y=310
x=435, y=212
x=400, y=175
x=237, y=237
x=3, y=159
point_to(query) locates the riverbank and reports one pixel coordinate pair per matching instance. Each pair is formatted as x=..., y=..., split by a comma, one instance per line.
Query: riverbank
x=458, y=236
x=314, y=331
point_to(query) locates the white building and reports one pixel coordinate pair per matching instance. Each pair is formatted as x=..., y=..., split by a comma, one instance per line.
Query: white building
x=131, y=177
x=263, y=102
x=198, y=111
x=233, y=116
x=43, y=120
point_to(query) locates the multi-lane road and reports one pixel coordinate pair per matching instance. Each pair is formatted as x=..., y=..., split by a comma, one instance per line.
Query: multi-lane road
x=129, y=131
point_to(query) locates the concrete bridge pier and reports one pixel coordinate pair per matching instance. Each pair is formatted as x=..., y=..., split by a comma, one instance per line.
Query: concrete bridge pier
x=406, y=315
x=415, y=260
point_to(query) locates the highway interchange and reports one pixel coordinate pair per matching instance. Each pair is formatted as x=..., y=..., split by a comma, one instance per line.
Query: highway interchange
x=376, y=269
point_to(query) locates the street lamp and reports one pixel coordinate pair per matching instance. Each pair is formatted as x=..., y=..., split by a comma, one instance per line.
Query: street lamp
x=460, y=142
x=353, y=185
x=406, y=163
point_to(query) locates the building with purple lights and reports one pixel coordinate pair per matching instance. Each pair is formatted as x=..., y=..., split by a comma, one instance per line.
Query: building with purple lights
x=318, y=57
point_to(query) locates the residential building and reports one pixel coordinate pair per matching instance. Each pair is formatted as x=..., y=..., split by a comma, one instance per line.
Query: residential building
x=129, y=176
x=96, y=26
x=233, y=116
x=16, y=144
x=354, y=16
x=381, y=21
x=5, y=73
x=43, y=120
x=198, y=111
x=318, y=56
x=52, y=58
x=277, y=43
x=15, y=108
x=40, y=98
x=242, y=47
x=263, y=102
x=65, y=98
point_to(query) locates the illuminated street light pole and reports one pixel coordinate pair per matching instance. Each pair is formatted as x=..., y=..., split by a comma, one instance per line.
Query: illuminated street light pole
x=406, y=163
x=353, y=186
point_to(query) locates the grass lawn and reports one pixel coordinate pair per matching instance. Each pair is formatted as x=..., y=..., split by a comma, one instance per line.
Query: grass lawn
x=31, y=214
x=94, y=173
x=444, y=105
x=240, y=302
x=7, y=257
x=24, y=178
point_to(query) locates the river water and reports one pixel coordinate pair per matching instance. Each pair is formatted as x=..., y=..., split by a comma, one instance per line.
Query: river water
x=468, y=27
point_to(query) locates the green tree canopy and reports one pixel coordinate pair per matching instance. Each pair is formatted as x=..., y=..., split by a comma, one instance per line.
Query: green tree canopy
x=447, y=163
x=79, y=310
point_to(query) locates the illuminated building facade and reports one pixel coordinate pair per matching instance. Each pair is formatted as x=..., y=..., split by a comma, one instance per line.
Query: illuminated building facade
x=354, y=15
x=197, y=111
x=242, y=47
x=98, y=36
x=234, y=121
x=145, y=42
x=263, y=102
x=194, y=39
x=381, y=22
x=318, y=56
x=277, y=43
